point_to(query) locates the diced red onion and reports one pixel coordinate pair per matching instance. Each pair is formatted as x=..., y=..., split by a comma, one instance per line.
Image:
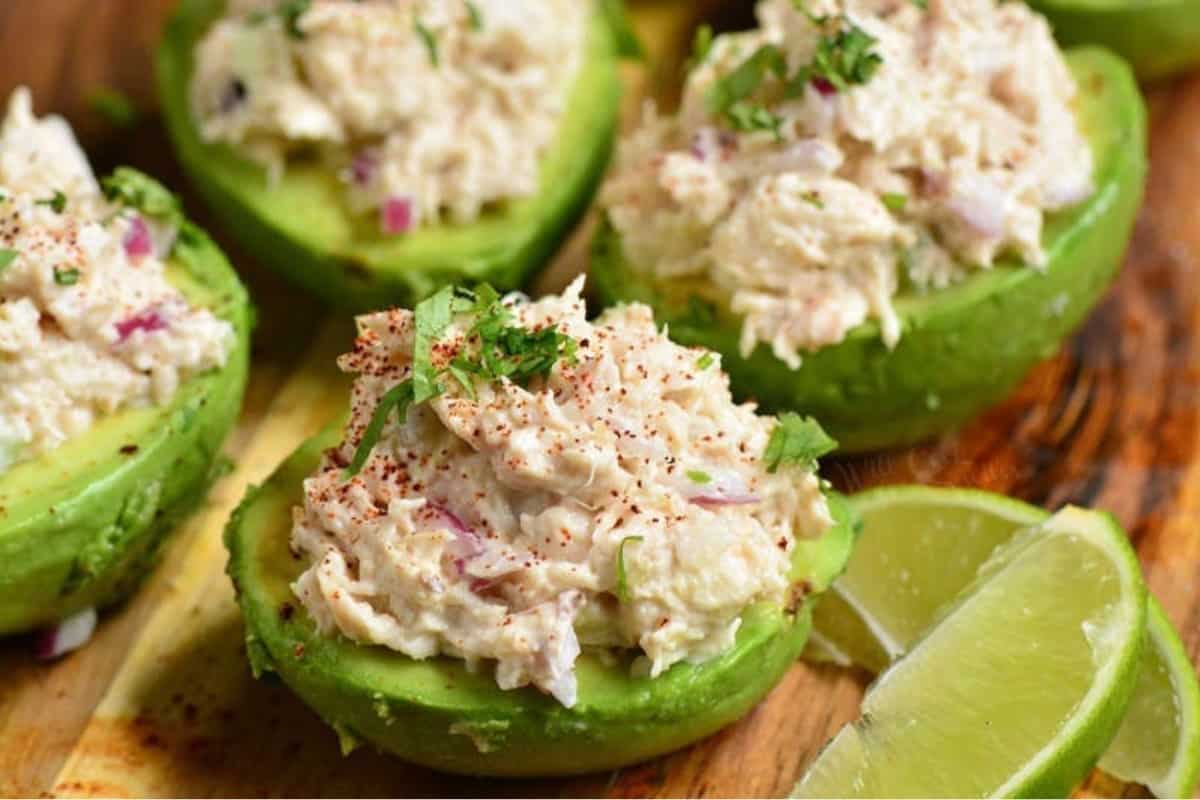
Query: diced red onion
x=979, y=203
x=467, y=543
x=705, y=143
x=719, y=500
x=138, y=242
x=69, y=635
x=148, y=321
x=397, y=215
x=363, y=166
x=824, y=87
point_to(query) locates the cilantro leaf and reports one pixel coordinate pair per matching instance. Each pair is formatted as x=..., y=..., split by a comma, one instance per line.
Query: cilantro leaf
x=698, y=476
x=129, y=187
x=798, y=441
x=432, y=317
x=57, y=202
x=894, y=202
x=429, y=39
x=7, y=257
x=623, y=577
x=702, y=43
x=628, y=44
x=399, y=398
x=114, y=106
x=705, y=361
x=291, y=11
x=66, y=277
x=475, y=15
x=745, y=79
x=753, y=117
x=845, y=58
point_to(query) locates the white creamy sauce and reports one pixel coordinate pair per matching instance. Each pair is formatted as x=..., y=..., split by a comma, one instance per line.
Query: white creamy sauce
x=89, y=324
x=492, y=527
x=429, y=109
x=946, y=158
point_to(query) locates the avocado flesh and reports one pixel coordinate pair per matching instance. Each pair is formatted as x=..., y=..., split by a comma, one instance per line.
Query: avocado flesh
x=963, y=348
x=303, y=227
x=81, y=525
x=439, y=714
x=1158, y=37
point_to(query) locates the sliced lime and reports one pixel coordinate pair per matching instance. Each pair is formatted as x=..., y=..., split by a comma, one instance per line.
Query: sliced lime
x=919, y=548
x=1158, y=744
x=1017, y=688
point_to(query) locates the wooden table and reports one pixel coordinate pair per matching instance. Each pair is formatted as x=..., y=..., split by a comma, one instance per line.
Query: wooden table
x=162, y=702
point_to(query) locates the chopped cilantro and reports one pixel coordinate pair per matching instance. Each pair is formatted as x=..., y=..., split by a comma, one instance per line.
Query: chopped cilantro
x=698, y=476
x=705, y=361
x=7, y=257
x=702, y=42
x=398, y=398
x=895, y=202
x=813, y=199
x=628, y=44
x=845, y=58
x=429, y=39
x=291, y=11
x=135, y=189
x=58, y=203
x=475, y=15
x=745, y=79
x=753, y=117
x=921, y=4
x=66, y=277
x=622, y=576
x=797, y=440
x=114, y=106
x=432, y=317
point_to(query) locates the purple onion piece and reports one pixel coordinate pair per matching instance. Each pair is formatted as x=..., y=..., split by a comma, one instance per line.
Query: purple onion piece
x=148, y=321
x=67, y=636
x=397, y=215
x=138, y=241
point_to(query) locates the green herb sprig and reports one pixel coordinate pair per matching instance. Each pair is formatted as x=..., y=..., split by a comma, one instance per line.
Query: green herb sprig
x=622, y=576
x=7, y=257
x=797, y=441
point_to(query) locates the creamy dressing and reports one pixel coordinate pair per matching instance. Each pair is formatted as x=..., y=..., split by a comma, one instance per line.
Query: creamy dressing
x=945, y=158
x=493, y=524
x=428, y=110
x=89, y=324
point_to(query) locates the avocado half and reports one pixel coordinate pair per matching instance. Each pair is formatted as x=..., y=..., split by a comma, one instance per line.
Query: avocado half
x=439, y=714
x=1158, y=37
x=963, y=348
x=81, y=525
x=302, y=226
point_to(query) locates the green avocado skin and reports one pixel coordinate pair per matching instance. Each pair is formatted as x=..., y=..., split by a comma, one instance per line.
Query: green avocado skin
x=439, y=714
x=1158, y=37
x=302, y=227
x=963, y=348
x=81, y=526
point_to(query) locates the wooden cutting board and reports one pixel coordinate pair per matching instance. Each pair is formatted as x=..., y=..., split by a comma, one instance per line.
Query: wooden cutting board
x=162, y=702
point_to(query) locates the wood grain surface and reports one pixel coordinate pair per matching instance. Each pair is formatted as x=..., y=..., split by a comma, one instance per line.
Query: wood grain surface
x=162, y=702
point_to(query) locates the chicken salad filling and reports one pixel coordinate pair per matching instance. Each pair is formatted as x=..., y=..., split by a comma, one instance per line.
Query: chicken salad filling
x=517, y=483
x=89, y=323
x=426, y=110
x=848, y=150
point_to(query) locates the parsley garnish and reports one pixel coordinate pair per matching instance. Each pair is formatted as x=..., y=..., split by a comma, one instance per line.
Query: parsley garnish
x=66, y=277
x=622, y=577
x=698, y=476
x=429, y=39
x=797, y=440
x=58, y=203
x=7, y=257
x=895, y=202
x=494, y=349
x=705, y=361
x=114, y=106
x=475, y=15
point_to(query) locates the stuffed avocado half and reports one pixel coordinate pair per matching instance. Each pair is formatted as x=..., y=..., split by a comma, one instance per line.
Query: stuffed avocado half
x=302, y=222
x=959, y=348
x=442, y=715
x=1159, y=38
x=81, y=524
x=540, y=545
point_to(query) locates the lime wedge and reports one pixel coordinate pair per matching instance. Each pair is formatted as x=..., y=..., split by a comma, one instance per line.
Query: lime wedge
x=1018, y=686
x=921, y=546
x=1158, y=744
